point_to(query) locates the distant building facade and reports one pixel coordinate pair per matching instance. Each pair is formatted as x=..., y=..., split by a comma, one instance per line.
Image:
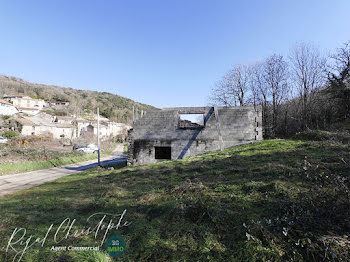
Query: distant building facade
x=40, y=123
x=55, y=103
x=43, y=124
x=68, y=127
x=6, y=108
x=64, y=120
x=107, y=128
x=26, y=104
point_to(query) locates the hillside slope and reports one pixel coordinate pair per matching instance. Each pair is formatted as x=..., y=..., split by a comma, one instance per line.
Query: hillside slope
x=112, y=106
x=276, y=200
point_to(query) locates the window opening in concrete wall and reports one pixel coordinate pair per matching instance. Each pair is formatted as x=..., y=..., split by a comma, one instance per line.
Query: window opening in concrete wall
x=191, y=120
x=162, y=152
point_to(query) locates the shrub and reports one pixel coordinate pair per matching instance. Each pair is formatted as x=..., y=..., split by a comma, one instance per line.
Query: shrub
x=5, y=117
x=9, y=134
x=319, y=135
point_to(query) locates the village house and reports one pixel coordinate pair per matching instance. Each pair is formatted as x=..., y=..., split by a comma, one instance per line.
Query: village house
x=67, y=127
x=6, y=108
x=64, y=119
x=107, y=128
x=43, y=124
x=55, y=103
x=56, y=130
x=40, y=123
x=175, y=133
x=26, y=104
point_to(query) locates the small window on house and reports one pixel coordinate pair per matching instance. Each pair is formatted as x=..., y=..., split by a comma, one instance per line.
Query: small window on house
x=191, y=120
x=162, y=152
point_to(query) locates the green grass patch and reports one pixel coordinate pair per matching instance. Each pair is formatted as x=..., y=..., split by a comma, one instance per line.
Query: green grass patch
x=26, y=166
x=9, y=134
x=276, y=200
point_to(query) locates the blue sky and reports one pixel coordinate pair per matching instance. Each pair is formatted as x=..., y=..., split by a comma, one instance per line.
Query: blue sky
x=163, y=53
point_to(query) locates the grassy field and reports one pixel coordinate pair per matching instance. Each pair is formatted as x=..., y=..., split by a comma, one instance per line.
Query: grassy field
x=276, y=200
x=68, y=158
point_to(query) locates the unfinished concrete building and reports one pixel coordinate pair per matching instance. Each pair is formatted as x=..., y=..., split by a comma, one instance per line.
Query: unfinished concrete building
x=175, y=133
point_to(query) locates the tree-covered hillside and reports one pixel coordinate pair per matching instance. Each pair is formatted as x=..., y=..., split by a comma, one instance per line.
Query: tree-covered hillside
x=112, y=106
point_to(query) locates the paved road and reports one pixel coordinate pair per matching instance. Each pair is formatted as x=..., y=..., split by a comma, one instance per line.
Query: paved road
x=17, y=182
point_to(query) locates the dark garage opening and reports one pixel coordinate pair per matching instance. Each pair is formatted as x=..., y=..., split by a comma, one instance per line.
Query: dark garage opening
x=162, y=152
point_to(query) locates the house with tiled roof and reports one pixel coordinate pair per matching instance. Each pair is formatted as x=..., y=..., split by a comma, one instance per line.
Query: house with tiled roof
x=7, y=108
x=26, y=104
x=44, y=124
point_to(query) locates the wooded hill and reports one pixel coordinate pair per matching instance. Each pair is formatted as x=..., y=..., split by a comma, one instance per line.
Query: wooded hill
x=112, y=106
x=305, y=89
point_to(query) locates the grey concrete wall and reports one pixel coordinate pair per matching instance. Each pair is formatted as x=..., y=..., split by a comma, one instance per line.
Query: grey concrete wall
x=160, y=128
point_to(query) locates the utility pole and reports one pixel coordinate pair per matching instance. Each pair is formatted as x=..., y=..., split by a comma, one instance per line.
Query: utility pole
x=98, y=137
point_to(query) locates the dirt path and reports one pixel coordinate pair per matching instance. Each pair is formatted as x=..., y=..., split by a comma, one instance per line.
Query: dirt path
x=17, y=182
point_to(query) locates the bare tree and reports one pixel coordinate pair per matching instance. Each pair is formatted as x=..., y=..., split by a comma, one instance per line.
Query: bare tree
x=308, y=68
x=339, y=80
x=257, y=84
x=220, y=94
x=233, y=88
x=259, y=91
x=240, y=78
x=276, y=80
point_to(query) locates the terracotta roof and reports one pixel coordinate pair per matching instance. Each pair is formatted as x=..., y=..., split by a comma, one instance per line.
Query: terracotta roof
x=5, y=102
x=25, y=122
x=61, y=125
x=28, y=108
x=87, y=121
x=65, y=117
x=14, y=96
x=58, y=102
x=19, y=96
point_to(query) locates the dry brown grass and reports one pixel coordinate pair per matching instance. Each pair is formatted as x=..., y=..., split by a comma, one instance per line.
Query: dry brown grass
x=148, y=198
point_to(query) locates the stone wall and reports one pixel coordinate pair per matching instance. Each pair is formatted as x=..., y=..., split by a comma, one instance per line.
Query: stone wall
x=160, y=128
